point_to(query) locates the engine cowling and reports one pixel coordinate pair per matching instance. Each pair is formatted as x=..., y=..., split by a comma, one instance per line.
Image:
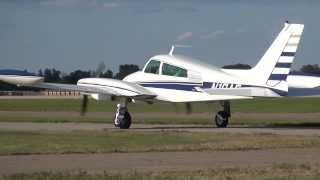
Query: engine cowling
x=19, y=77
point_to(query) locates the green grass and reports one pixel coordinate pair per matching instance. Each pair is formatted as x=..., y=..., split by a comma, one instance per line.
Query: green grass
x=298, y=105
x=16, y=110
x=159, y=118
x=51, y=142
x=276, y=172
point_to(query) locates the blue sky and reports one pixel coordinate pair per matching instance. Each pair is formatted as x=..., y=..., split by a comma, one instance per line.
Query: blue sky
x=79, y=34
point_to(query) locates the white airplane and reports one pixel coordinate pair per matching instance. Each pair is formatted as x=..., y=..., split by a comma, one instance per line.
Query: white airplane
x=174, y=78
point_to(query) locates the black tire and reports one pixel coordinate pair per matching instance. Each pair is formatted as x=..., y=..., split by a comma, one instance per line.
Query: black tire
x=126, y=121
x=222, y=119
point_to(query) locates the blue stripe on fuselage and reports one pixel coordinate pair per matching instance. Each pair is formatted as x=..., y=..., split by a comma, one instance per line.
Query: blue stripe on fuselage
x=207, y=85
x=177, y=86
x=184, y=86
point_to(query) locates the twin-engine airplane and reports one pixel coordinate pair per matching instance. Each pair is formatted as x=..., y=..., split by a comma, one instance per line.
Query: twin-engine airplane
x=174, y=78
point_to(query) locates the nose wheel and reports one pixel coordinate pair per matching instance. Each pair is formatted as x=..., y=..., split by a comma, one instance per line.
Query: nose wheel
x=222, y=117
x=122, y=117
x=123, y=121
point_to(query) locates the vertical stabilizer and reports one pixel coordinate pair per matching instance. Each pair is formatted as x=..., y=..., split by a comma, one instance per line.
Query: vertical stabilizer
x=274, y=66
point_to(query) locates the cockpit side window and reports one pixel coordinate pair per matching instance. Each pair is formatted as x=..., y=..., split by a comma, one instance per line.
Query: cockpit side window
x=171, y=70
x=153, y=67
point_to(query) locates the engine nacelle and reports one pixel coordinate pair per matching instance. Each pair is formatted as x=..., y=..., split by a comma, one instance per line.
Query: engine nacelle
x=19, y=78
x=100, y=97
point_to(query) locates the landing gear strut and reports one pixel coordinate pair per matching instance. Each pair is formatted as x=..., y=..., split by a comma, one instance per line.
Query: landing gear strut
x=122, y=117
x=222, y=117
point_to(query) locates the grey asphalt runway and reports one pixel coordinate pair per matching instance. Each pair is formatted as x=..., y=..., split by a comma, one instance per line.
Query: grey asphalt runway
x=156, y=161
x=29, y=126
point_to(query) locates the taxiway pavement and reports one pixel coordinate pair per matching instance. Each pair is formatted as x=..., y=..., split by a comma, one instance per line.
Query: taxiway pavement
x=29, y=126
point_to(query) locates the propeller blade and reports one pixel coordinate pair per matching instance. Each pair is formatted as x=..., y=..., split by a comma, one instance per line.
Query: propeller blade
x=188, y=108
x=84, y=105
x=176, y=108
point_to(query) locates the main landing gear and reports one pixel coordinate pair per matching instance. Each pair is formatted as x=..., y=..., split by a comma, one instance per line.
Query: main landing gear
x=122, y=118
x=222, y=117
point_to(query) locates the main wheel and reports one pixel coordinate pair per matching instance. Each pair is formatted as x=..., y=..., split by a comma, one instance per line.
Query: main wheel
x=222, y=119
x=125, y=123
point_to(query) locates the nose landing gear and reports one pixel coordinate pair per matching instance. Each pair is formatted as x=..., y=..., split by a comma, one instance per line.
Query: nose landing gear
x=122, y=117
x=222, y=117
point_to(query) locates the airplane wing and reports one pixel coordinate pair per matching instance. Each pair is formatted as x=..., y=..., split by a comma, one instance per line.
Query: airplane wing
x=73, y=87
x=303, y=84
x=304, y=92
x=132, y=90
x=103, y=86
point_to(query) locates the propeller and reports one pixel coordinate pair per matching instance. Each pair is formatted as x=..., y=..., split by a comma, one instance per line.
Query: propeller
x=84, y=105
x=188, y=107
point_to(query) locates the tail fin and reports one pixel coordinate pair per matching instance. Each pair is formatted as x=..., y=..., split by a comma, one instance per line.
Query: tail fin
x=274, y=66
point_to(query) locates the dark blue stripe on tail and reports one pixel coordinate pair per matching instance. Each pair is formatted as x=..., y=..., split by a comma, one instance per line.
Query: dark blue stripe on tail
x=283, y=65
x=288, y=53
x=278, y=77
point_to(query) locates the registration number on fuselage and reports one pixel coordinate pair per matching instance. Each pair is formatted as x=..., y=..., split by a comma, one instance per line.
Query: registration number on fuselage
x=225, y=85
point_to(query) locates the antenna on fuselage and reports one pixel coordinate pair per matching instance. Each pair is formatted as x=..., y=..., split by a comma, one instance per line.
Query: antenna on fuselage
x=178, y=45
x=171, y=50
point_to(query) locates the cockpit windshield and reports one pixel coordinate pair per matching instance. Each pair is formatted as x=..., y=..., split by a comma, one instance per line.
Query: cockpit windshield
x=171, y=70
x=153, y=67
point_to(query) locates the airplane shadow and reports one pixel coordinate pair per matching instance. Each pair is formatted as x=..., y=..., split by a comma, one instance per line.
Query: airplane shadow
x=269, y=126
x=305, y=125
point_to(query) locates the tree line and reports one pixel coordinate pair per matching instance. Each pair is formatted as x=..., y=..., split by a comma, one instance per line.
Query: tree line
x=309, y=68
x=53, y=75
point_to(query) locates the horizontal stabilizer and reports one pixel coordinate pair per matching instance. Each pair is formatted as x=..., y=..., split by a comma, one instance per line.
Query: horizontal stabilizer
x=304, y=92
x=248, y=92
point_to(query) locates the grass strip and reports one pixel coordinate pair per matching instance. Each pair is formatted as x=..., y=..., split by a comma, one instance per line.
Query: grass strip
x=181, y=119
x=296, y=105
x=51, y=142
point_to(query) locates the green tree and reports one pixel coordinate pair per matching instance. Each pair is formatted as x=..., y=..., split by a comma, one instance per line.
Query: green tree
x=311, y=68
x=237, y=66
x=125, y=70
x=74, y=76
x=40, y=73
x=51, y=75
x=107, y=74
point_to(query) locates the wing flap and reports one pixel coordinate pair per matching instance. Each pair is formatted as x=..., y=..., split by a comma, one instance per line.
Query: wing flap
x=139, y=92
x=74, y=87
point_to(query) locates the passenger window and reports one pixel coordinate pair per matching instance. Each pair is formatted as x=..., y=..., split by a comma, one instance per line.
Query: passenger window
x=153, y=67
x=171, y=70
